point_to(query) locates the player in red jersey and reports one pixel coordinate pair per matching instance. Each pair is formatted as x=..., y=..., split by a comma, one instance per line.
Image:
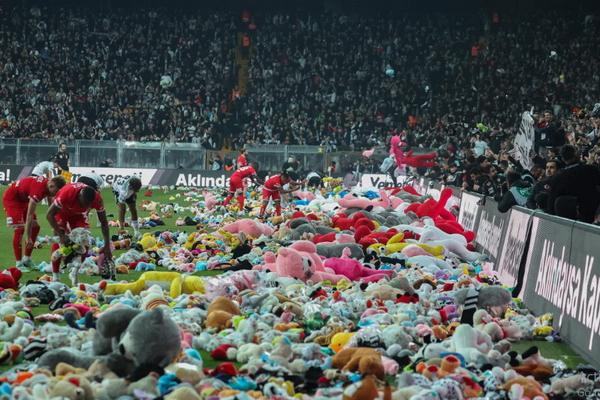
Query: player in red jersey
x=20, y=201
x=273, y=188
x=236, y=183
x=70, y=210
x=242, y=161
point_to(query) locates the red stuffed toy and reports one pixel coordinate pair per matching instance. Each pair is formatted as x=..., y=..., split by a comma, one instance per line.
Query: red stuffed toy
x=9, y=278
x=416, y=161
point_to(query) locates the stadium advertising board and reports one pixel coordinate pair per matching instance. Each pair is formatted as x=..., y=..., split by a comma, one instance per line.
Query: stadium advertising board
x=468, y=216
x=490, y=231
x=9, y=173
x=562, y=277
x=191, y=178
x=512, y=249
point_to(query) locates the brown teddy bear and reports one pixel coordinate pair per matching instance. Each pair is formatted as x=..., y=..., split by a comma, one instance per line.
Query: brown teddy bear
x=362, y=390
x=72, y=387
x=220, y=312
x=365, y=360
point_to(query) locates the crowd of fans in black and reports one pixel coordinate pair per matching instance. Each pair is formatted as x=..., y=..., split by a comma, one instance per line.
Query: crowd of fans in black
x=82, y=74
x=453, y=84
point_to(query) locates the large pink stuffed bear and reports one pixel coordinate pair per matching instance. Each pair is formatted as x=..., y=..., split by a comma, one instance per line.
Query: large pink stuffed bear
x=301, y=261
x=353, y=269
x=250, y=227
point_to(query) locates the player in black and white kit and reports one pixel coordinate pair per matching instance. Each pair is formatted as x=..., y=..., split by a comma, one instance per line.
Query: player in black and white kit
x=125, y=190
x=93, y=180
x=45, y=169
x=314, y=180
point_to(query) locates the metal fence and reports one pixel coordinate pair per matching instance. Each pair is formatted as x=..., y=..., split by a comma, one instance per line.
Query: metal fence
x=124, y=154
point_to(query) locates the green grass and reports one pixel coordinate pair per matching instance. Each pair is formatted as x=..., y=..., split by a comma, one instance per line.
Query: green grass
x=559, y=351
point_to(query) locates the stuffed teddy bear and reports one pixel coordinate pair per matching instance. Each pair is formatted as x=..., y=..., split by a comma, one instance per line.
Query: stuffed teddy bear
x=250, y=227
x=220, y=313
x=129, y=341
x=301, y=261
x=354, y=270
x=472, y=344
x=9, y=278
x=329, y=250
x=73, y=254
x=494, y=299
x=72, y=387
x=365, y=360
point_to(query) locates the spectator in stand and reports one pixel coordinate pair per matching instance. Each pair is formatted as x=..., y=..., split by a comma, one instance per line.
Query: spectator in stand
x=217, y=163
x=517, y=194
x=574, y=192
x=538, y=199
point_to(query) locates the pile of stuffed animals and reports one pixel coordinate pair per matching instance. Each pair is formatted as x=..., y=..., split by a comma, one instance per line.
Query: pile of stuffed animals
x=351, y=295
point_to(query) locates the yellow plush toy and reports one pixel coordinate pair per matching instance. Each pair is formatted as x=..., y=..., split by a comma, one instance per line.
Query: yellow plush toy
x=148, y=241
x=398, y=247
x=339, y=340
x=174, y=282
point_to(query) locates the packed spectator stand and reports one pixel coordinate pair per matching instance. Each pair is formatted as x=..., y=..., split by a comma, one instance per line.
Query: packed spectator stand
x=456, y=84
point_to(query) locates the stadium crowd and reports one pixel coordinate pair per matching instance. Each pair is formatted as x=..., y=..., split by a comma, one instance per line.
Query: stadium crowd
x=71, y=74
x=345, y=82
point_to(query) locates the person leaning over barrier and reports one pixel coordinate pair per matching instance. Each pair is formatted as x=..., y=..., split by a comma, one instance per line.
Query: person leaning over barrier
x=517, y=194
x=575, y=189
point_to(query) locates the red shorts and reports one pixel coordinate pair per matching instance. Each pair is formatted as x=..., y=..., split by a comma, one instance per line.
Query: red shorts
x=235, y=184
x=16, y=213
x=69, y=222
x=271, y=194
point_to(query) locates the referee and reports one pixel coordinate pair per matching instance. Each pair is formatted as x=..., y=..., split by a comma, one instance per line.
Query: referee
x=62, y=158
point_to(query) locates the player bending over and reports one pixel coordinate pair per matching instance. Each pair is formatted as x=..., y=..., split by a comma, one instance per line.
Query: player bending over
x=236, y=184
x=125, y=190
x=20, y=201
x=93, y=180
x=273, y=188
x=70, y=210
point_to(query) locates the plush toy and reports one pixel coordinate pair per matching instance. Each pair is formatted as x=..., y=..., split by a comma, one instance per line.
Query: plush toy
x=72, y=387
x=73, y=254
x=472, y=344
x=365, y=360
x=366, y=389
x=9, y=278
x=329, y=250
x=354, y=270
x=339, y=340
x=250, y=227
x=494, y=299
x=570, y=384
x=175, y=282
x=129, y=341
x=402, y=159
x=528, y=387
x=220, y=313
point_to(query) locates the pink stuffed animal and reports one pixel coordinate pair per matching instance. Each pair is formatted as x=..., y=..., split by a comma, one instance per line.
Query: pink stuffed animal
x=353, y=269
x=210, y=201
x=301, y=261
x=250, y=227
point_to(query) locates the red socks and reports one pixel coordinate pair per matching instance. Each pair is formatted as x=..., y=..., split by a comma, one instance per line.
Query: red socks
x=240, y=200
x=277, y=208
x=263, y=208
x=55, y=264
x=35, y=230
x=227, y=200
x=17, y=242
